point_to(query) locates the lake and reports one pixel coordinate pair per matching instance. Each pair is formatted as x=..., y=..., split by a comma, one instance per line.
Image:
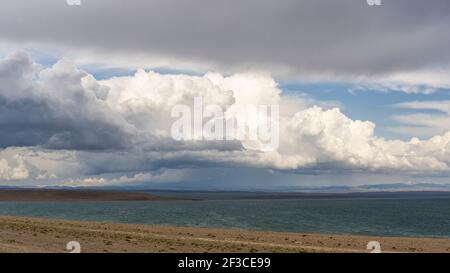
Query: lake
x=422, y=217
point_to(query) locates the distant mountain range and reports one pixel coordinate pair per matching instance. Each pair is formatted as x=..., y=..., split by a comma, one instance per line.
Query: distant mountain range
x=393, y=187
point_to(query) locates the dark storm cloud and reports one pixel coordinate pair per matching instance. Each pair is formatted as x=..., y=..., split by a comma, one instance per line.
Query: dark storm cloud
x=55, y=111
x=36, y=123
x=303, y=36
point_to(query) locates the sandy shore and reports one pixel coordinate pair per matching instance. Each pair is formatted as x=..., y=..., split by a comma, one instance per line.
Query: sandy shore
x=18, y=234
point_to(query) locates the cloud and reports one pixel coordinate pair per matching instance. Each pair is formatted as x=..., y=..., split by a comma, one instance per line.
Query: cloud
x=56, y=108
x=400, y=43
x=62, y=123
x=35, y=164
x=433, y=118
x=424, y=81
x=312, y=138
x=17, y=172
x=157, y=177
x=443, y=106
x=318, y=137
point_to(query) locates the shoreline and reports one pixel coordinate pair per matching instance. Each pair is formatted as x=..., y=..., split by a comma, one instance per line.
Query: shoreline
x=26, y=234
x=76, y=195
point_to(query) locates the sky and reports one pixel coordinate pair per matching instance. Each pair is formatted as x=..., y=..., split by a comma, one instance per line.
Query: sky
x=87, y=92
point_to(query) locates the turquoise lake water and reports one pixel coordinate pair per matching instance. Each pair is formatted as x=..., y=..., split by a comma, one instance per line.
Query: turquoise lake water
x=428, y=217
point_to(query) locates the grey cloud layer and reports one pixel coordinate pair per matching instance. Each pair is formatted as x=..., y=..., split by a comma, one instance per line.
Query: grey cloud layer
x=345, y=37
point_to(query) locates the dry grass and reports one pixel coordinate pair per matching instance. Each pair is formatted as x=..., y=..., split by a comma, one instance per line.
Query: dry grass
x=19, y=234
